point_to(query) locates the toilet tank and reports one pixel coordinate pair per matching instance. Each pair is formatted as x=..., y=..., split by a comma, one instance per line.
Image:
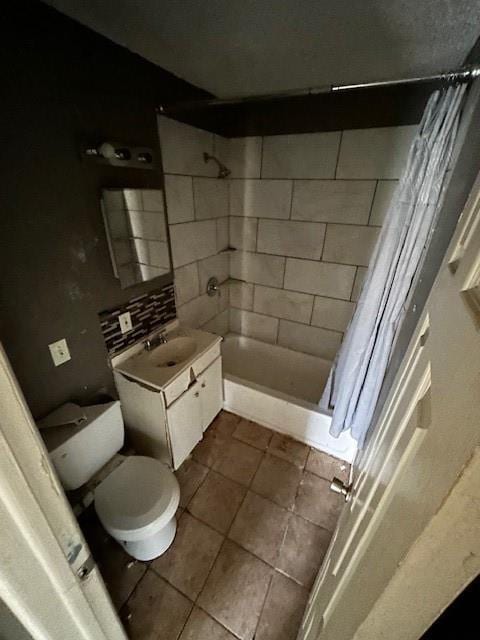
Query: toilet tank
x=78, y=451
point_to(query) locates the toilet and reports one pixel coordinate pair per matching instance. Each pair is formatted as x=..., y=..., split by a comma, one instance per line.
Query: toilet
x=137, y=501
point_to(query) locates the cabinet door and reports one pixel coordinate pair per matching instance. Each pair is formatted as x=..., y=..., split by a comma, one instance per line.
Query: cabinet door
x=184, y=424
x=211, y=392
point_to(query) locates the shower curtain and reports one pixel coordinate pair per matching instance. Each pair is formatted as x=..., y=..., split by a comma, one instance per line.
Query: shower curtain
x=356, y=377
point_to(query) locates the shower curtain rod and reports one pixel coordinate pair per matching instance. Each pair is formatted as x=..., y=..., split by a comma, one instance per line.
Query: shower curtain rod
x=462, y=75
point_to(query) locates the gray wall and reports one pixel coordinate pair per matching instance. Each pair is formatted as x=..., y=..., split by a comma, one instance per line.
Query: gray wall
x=62, y=85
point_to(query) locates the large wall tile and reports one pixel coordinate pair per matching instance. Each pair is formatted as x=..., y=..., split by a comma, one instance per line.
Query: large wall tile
x=254, y=325
x=186, y=283
x=193, y=241
x=358, y=284
x=383, y=196
x=349, y=244
x=215, y=266
x=305, y=155
x=375, y=153
x=332, y=314
x=223, y=296
x=241, y=295
x=257, y=268
x=179, y=194
x=220, y=324
x=222, y=233
x=243, y=233
x=260, y=198
x=283, y=304
x=313, y=340
x=287, y=238
x=210, y=198
x=243, y=156
x=198, y=311
x=332, y=280
x=182, y=148
x=344, y=201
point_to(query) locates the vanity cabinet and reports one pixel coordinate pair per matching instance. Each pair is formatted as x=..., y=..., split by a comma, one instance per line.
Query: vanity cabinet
x=184, y=419
x=167, y=423
x=211, y=393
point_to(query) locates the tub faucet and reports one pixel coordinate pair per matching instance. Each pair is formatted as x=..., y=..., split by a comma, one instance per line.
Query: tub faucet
x=152, y=343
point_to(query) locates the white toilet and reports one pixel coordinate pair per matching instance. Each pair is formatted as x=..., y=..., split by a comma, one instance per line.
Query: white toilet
x=137, y=501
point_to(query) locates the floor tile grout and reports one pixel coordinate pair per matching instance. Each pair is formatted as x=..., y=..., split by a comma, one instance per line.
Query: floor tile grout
x=227, y=538
x=272, y=567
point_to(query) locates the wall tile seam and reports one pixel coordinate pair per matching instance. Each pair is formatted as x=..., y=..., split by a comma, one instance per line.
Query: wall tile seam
x=201, y=295
x=202, y=177
x=313, y=295
x=339, y=264
x=303, y=324
x=261, y=158
x=284, y=346
x=292, y=190
x=371, y=205
x=280, y=255
x=296, y=220
x=340, y=140
x=269, y=315
x=229, y=198
x=318, y=295
x=175, y=224
x=290, y=178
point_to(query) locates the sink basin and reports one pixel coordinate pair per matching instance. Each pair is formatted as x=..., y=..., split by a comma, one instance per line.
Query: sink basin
x=174, y=352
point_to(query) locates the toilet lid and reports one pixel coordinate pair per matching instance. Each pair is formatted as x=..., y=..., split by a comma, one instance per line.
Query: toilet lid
x=138, y=498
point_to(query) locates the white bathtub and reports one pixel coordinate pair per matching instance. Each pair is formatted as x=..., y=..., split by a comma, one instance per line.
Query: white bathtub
x=280, y=389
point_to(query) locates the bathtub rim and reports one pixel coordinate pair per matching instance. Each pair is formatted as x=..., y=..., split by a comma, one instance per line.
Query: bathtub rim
x=234, y=391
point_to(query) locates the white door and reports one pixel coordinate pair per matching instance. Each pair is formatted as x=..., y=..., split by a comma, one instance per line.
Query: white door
x=48, y=580
x=426, y=433
x=211, y=392
x=184, y=424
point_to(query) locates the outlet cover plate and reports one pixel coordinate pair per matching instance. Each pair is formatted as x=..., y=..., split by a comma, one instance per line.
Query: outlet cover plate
x=59, y=352
x=125, y=320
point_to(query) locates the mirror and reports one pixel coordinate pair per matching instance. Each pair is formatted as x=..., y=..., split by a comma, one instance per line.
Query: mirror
x=137, y=236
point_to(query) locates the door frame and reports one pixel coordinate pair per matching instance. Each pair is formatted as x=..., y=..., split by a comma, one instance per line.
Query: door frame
x=48, y=579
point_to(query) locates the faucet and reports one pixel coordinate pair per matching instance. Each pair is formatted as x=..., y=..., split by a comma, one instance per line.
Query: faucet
x=155, y=341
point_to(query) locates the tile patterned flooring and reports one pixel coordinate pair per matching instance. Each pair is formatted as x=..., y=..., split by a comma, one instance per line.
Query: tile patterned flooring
x=255, y=519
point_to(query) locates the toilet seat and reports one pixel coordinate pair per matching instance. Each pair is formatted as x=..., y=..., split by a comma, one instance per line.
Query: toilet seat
x=137, y=499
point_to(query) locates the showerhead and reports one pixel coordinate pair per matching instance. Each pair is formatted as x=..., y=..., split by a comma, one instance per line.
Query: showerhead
x=223, y=172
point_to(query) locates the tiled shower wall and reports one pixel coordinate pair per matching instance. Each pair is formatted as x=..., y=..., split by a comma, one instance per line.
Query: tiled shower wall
x=197, y=205
x=303, y=214
x=304, y=219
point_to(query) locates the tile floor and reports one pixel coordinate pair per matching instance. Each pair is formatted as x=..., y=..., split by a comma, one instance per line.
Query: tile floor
x=255, y=519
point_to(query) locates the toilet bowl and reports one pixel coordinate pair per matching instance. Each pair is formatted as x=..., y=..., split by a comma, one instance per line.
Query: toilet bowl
x=136, y=503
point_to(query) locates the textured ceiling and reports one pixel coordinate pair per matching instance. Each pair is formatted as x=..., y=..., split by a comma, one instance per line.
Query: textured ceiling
x=249, y=47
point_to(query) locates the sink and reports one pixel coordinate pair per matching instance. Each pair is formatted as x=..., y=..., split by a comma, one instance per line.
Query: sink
x=174, y=352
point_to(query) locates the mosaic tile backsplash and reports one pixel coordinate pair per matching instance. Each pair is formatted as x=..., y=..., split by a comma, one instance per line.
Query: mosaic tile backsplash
x=149, y=311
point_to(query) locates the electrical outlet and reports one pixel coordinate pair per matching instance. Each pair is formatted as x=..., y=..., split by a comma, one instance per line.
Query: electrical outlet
x=59, y=352
x=125, y=321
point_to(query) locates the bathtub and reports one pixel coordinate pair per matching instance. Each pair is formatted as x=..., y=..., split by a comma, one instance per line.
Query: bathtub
x=280, y=389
